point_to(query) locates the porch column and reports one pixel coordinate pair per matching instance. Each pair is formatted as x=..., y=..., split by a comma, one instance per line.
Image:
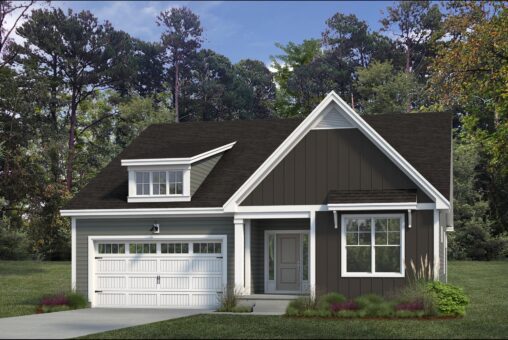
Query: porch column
x=247, y=278
x=312, y=253
x=436, y=231
x=239, y=256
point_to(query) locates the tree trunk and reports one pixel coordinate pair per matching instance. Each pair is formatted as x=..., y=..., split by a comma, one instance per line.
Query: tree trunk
x=72, y=142
x=177, y=92
x=408, y=59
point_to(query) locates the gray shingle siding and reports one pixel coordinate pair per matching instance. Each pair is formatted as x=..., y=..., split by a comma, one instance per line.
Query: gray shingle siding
x=141, y=227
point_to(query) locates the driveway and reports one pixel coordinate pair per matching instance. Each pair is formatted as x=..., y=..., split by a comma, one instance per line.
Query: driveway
x=70, y=324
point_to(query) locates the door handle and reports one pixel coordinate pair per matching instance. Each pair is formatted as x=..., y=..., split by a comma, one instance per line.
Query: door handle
x=158, y=279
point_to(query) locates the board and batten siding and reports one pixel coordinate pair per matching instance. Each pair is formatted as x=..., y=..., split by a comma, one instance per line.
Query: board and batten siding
x=141, y=226
x=339, y=159
x=418, y=245
x=200, y=170
x=258, y=228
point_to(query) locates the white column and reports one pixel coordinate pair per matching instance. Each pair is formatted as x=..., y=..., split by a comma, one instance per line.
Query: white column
x=312, y=251
x=73, y=253
x=239, y=256
x=247, y=257
x=436, y=244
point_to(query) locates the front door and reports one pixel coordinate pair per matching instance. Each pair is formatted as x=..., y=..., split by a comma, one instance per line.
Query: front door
x=288, y=262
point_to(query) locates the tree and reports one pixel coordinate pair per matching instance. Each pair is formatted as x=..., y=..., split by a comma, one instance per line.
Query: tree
x=150, y=79
x=415, y=23
x=381, y=89
x=181, y=39
x=77, y=56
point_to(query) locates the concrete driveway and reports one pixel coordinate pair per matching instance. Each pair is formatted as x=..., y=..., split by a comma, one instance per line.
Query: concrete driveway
x=70, y=324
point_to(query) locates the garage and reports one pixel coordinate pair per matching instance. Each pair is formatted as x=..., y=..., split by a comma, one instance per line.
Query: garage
x=175, y=272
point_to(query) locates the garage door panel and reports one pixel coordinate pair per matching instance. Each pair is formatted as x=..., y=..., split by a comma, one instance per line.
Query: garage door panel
x=175, y=265
x=160, y=279
x=174, y=282
x=111, y=282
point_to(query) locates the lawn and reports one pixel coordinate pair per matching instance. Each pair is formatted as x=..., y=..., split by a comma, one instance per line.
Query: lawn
x=486, y=283
x=23, y=283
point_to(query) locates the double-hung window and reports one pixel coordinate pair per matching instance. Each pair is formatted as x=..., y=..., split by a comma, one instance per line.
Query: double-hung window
x=373, y=245
x=159, y=183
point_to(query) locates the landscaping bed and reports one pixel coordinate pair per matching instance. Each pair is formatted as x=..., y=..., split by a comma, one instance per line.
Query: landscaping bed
x=419, y=300
x=61, y=302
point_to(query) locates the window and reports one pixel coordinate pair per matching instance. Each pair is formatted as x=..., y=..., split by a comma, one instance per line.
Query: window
x=271, y=257
x=373, y=245
x=111, y=248
x=143, y=248
x=305, y=254
x=175, y=182
x=143, y=183
x=175, y=248
x=159, y=183
x=207, y=248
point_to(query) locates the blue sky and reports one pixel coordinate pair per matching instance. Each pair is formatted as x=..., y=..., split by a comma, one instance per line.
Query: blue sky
x=238, y=30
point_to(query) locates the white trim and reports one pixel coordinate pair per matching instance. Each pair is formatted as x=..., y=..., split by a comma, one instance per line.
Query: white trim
x=73, y=254
x=92, y=242
x=180, y=212
x=247, y=255
x=239, y=256
x=435, y=233
x=270, y=286
x=176, y=161
x=270, y=215
x=343, y=252
x=280, y=208
x=164, y=198
x=372, y=206
x=312, y=254
x=299, y=133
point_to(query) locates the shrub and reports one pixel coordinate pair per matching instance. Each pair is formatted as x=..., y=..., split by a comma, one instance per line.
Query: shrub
x=13, y=245
x=300, y=305
x=411, y=306
x=55, y=300
x=348, y=305
x=326, y=301
x=349, y=314
x=62, y=301
x=414, y=294
x=450, y=300
x=375, y=306
x=228, y=299
x=409, y=314
x=76, y=300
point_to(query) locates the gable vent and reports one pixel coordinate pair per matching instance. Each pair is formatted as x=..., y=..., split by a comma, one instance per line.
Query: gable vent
x=333, y=119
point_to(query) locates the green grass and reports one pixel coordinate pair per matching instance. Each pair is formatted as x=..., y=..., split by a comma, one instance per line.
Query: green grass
x=23, y=283
x=486, y=283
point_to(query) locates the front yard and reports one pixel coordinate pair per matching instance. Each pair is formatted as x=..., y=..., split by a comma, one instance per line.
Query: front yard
x=485, y=282
x=23, y=283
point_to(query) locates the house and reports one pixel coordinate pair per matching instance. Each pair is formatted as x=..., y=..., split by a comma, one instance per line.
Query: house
x=334, y=202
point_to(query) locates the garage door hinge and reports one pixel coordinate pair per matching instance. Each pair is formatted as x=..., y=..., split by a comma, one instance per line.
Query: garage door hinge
x=98, y=258
x=98, y=291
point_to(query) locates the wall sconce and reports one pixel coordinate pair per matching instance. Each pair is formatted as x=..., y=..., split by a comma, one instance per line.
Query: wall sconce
x=155, y=229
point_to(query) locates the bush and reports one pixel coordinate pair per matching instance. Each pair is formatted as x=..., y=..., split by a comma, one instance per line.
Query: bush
x=325, y=302
x=412, y=296
x=13, y=245
x=375, y=306
x=228, y=299
x=62, y=301
x=76, y=300
x=298, y=306
x=450, y=300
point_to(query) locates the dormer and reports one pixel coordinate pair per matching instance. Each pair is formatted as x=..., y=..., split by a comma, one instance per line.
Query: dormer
x=170, y=179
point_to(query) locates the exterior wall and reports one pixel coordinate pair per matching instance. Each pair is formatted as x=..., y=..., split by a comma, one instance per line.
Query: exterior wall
x=200, y=170
x=342, y=159
x=443, y=247
x=141, y=226
x=418, y=244
x=258, y=228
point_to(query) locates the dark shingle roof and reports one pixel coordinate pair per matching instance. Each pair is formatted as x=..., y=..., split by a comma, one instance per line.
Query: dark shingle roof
x=371, y=196
x=423, y=139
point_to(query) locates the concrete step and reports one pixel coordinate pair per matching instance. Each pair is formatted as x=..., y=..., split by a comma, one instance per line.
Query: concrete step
x=267, y=303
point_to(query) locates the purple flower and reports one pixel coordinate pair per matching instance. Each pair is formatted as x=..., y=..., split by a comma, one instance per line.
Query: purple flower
x=55, y=300
x=411, y=306
x=348, y=305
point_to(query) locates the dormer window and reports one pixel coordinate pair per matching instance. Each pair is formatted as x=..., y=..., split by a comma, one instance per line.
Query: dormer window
x=169, y=179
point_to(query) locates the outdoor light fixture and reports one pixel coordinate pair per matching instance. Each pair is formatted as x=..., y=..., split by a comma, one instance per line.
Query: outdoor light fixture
x=155, y=228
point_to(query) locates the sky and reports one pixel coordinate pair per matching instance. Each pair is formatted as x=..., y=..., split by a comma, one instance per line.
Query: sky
x=238, y=30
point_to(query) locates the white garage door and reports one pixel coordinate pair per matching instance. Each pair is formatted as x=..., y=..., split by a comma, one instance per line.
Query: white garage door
x=162, y=273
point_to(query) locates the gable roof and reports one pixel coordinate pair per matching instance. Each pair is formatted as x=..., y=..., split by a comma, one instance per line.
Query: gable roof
x=333, y=102
x=423, y=139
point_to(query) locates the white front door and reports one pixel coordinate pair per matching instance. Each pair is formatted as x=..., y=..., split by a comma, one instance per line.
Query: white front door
x=158, y=273
x=286, y=261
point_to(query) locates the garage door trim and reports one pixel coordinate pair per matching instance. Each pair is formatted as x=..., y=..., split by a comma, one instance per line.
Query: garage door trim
x=93, y=239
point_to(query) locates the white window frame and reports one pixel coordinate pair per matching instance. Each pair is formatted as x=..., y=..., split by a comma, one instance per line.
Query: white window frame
x=373, y=273
x=151, y=197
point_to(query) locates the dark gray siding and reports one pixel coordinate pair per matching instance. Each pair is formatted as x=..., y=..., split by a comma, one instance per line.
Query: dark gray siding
x=418, y=244
x=141, y=226
x=258, y=228
x=340, y=159
x=200, y=170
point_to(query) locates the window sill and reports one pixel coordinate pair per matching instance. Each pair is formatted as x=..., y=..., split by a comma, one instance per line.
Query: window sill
x=379, y=275
x=154, y=199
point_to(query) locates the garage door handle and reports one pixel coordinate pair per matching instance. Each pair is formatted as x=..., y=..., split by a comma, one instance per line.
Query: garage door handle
x=98, y=258
x=219, y=257
x=158, y=279
x=98, y=291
